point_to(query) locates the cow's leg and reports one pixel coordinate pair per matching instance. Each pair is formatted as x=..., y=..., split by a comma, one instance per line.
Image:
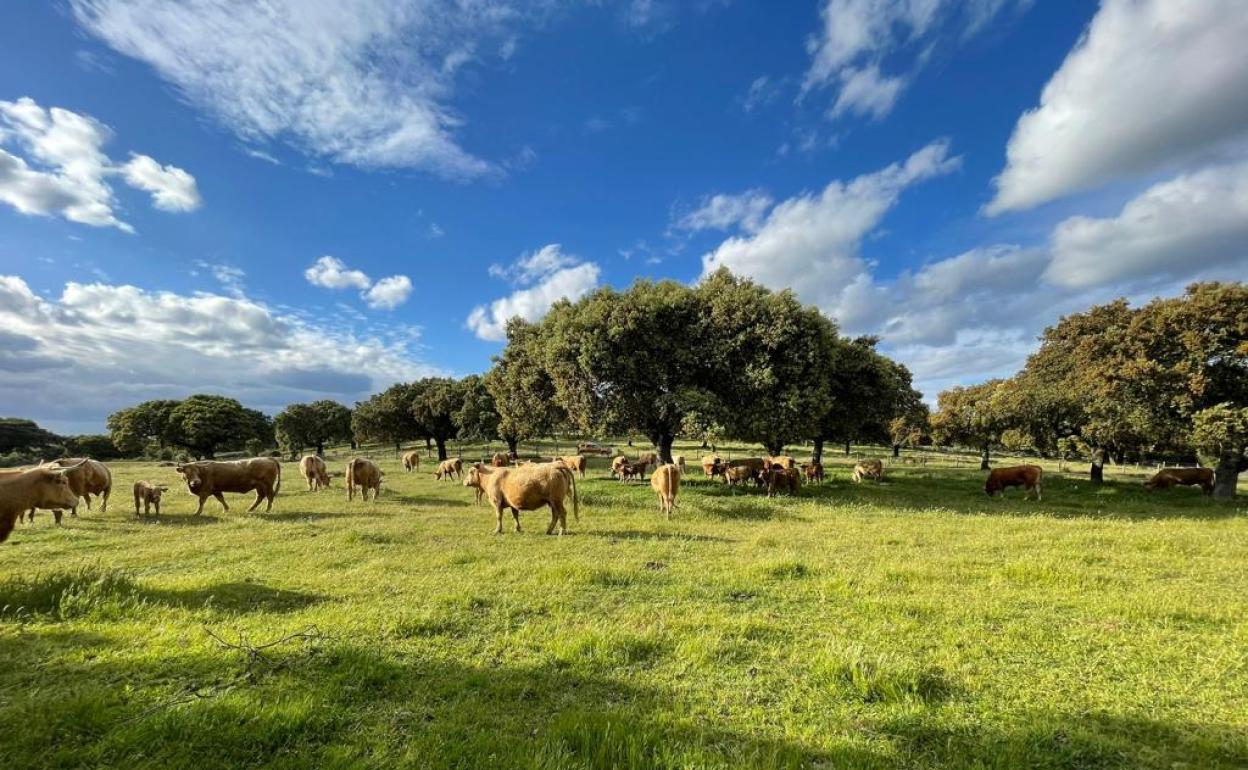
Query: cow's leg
x=157, y=504
x=56, y=515
x=554, y=517
x=7, y=520
x=515, y=514
x=261, y=493
x=272, y=496
x=104, y=501
x=498, y=511
x=221, y=499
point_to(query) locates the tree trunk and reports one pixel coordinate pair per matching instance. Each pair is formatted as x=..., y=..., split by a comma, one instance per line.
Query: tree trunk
x=665, y=447
x=428, y=444
x=984, y=458
x=847, y=448
x=1097, y=473
x=1226, y=475
x=775, y=449
x=441, y=448
x=817, y=453
x=513, y=445
x=896, y=450
x=320, y=449
x=398, y=447
x=704, y=444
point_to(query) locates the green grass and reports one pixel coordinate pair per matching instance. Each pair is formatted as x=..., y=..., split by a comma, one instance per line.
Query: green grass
x=908, y=624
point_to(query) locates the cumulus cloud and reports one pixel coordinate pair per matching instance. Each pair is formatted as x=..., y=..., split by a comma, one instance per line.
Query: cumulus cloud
x=124, y=344
x=71, y=173
x=548, y=275
x=360, y=82
x=857, y=35
x=1152, y=84
x=386, y=294
x=724, y=212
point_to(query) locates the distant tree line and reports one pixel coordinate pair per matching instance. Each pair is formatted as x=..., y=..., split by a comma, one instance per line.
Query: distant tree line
x=1165, y=380
x=24, y=442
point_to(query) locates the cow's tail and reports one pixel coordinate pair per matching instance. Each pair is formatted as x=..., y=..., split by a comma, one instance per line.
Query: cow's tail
x=278, y=486
x=576, y=503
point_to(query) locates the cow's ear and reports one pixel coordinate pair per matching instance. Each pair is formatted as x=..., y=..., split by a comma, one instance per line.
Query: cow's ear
x=180, y=468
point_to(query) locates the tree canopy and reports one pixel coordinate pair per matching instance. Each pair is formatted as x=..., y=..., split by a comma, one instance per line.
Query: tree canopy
x=312, y=425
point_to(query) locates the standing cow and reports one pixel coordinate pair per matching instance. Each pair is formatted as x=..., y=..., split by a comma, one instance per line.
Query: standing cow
x=1026, y=476
x=45, y=486
x=813, y=471
x=363, y=473
x=710, y=464
x=666, y=484
x=575, y=462
x=529, y=487
x=314, y=471
x=211, y=478
x=86, y=477
x=149, y=495
x=449, y=469
x=500, y=460
x=411, y=461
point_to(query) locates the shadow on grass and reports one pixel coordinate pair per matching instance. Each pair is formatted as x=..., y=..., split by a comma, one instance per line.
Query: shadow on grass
x=110, y=594
x=638, y=534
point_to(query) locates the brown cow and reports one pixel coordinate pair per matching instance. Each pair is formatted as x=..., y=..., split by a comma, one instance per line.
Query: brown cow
x=313, y=470
x=575, y=462
x=647, y=458
x=868, y=469
x=411, y=461
x=666, y=484
x=784, y=461
x=709, y=464
x=616, y=464
x=45, y=486
x=781, y=479
x=742, y=474
x=363, y=473
x=531, y=487
x=148, y=494
x=813, y=471
x=1168, y=478
x=88, y=477
x=756, y=464
x=500, y=460
x=1026, y=476
x=449, y=469
x=211, y=478
x=632, y=471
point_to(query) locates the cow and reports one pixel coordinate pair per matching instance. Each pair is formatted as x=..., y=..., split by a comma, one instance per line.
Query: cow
x=500, y=460
x=411, y=461
x=363, y=473
x=647, y=458
x=575, y=462
x=679, y=462
x=781, y=479
x=211, y=478
x=665, y=481
x=755, y=464
x=1168, y=478
x=630, y=471
x=742, y=474
x=868, y=469
x=148, y=494
x=531, y=487
x=1026, y=476
x=617, y=464
x=313, y=470
x=783, y=461
x=709, y=465
x=476, y=478
x=813, y=471
x=44, y=486
x=88, y=477
x=449, y=469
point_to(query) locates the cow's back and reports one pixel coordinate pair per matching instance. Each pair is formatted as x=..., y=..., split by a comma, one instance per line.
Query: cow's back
x=238, y=475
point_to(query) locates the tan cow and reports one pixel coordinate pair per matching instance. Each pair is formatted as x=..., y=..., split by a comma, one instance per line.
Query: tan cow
x=500, y=460
x=742, y=474
x=617, y=464
x=531, y=487
x=813, y=471
x=476, y=477
x=449, y=469
x=314, y=471
x=45, y=486
x=781, y=479
x=1026, y=476
x=411, y=461
x=363, y=473
x=1168, y=478
x=679, y=462
x=149, y=495
x=211, y=478
x=666, y=484
x=709, y=463
x=88, y=477
x=575, y=462
x=868, y=469
x=784, y=461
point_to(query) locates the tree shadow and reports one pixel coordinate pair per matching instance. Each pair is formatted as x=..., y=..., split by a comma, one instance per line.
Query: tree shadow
x=178, y=520
x=638, y=534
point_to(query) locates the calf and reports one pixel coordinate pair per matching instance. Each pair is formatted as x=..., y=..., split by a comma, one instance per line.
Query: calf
x=148, y=494
x=449, y=469
x=1168, y=478
x=411, y=461
x=710, y=464
x=679, y=462
x=574, y=462
x=313, y=470
x=813, y=471
x=1026, y=476
x=666, y=484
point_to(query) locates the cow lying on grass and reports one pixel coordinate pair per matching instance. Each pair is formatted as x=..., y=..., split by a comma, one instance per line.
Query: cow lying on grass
x=210, y=478
x=1026, y=476
x=527, y=488
x=44, y=486
x=1168, y=478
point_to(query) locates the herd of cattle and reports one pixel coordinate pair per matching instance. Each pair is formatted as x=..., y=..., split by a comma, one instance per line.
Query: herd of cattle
x=508, y=484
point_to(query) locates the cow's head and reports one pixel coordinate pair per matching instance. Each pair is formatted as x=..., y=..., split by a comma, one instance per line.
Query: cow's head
x=191, y=474
x=50, y=487
x=157, y=491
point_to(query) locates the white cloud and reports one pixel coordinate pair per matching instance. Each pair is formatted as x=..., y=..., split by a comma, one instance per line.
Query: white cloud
x=100, y=347
x=549, y=274
x=388, y=293
x=229, y=276
x=1197, y=219
x=71, y=171
x=331, y=273
x=360, y=82
x=1152, y=84
x=762, y=91
x=812, y=242
x=723, y=212
x=857, y=35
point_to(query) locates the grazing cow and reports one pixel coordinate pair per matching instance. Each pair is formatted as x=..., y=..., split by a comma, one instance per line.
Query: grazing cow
x=1168, y=478
x=449, y=469
x=781, y=479
x=575, y=462
x=813, y=471
x=666, y=484
x=313, y=470
x=709, y=464
x=617, y=463
x=647, y=458
x=868, y=469
x=363, y=473
x=632, y=471
x=411, y=461
x=500, y=460
x=742, y=474
x=148, y=494
x=1026, y=476
x=211, y=478
x=755, y=464
x=45, y=486
x=88, y=477
x=531, y=487
x=783, y=461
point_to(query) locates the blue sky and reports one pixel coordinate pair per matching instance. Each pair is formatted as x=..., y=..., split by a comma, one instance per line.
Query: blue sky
x=320, y=199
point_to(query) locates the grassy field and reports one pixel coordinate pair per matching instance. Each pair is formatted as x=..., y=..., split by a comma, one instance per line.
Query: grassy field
x=909, y=624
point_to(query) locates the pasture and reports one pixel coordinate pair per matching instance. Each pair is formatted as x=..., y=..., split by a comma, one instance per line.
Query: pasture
x=909, y=624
